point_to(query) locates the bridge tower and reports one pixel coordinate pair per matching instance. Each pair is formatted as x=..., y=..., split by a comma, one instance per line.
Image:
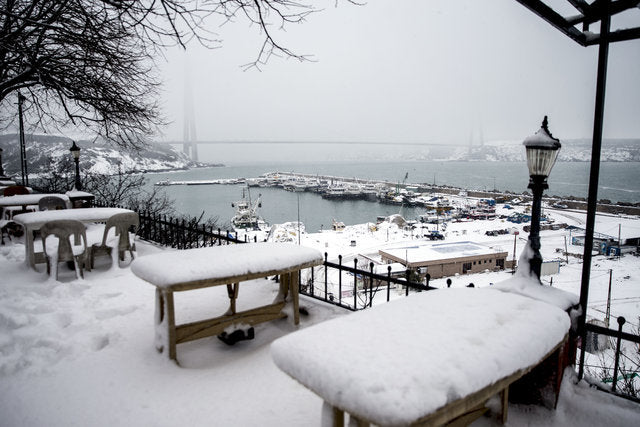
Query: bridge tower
x=190, y=144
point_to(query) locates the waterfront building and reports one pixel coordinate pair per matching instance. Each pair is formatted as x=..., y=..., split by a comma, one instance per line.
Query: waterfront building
x=446, y=259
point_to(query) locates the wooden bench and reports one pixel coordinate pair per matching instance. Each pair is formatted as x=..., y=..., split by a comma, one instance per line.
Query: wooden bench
x=431, y=359
x=177, y=271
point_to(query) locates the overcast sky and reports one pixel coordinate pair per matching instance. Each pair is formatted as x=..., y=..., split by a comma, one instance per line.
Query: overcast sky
x=437, y=71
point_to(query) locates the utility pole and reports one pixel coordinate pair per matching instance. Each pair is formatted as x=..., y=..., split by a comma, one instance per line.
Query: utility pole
x=619, y=233
x=23, y=152
x=607, y=316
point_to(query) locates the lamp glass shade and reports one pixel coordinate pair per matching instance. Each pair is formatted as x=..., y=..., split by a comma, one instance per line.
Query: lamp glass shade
x=541, y=160
x=542, y=151
x=75, y=150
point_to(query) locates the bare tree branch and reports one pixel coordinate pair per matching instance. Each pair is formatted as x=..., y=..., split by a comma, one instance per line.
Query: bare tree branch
x=91, y=62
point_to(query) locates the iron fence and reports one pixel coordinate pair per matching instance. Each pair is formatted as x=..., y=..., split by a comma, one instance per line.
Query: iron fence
x=180, y=233
x=354, y=288
x=360, y=287
x=622, y=376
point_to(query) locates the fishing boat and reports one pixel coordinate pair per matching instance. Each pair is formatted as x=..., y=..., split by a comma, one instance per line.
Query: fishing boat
x=246, y=217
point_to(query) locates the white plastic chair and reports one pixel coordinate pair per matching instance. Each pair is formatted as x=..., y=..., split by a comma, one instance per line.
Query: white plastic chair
x=124, y=224
x=64, y=249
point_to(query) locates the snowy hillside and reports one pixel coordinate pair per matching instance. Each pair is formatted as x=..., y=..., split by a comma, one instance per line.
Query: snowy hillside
x=97, y=157
x=573, y=150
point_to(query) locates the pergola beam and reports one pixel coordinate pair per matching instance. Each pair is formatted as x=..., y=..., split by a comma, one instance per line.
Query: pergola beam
x=590, y=14
x=554, y=18
x=616, y=36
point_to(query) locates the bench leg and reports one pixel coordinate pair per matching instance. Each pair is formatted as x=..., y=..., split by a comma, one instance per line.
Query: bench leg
x=232, y=291
x=504, y=398
x=294, y=291
x=289, y=285
x=332, y=416
x=165, y=323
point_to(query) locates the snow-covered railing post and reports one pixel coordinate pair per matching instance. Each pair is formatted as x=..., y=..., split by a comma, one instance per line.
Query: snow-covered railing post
x=406, y=288
x=616, y=366
x=326, y=255
x=388, y=283
x=371, y=285
x=340, y=279
x=355, y=284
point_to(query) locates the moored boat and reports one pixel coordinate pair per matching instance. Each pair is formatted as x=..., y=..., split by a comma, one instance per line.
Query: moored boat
x=246, y=217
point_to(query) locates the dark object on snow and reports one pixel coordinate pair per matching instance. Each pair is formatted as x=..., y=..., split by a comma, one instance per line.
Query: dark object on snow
x=470, y=285
x=11, y=228
x=237, y=335
x=303, y=311
x=448, y=283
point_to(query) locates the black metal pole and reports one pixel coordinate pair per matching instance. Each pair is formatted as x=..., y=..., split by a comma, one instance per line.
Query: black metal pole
x=596, y=145
x=537, y=184
x=78, y=184
x=23, y=151
x=616, y=365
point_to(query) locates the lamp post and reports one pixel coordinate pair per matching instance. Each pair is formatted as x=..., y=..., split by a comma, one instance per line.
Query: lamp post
x=75, y=151
x=542, y=152
x=1, y=168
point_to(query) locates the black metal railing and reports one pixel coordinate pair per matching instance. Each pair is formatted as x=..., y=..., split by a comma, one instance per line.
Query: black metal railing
x=354, y=288
x=359, y=288
x=623, y=377
x=361, y=285
x=180, y=233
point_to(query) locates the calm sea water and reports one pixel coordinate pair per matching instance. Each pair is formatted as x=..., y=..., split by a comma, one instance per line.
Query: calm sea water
x=618, y=182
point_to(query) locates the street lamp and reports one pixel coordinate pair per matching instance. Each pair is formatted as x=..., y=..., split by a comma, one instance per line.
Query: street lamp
x=542, y=151
x=75, y=151
x=1, y=168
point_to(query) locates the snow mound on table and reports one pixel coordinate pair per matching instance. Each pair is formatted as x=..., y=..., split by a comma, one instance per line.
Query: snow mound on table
x=527, y=284
x=399, y=361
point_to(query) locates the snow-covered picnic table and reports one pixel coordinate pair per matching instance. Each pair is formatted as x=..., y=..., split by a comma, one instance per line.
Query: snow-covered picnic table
x=28, y=199
x=174, y=271
x=431, y=358
x=32, y=221
x=22, y=202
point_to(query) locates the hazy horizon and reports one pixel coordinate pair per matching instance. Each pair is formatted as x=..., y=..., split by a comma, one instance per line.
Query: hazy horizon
x=407, y=71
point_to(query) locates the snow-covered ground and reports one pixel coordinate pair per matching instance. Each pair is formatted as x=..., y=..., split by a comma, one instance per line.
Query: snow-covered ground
x=81, y=352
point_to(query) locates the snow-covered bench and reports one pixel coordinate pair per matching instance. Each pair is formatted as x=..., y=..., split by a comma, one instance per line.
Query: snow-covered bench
x=175, y=271
x=429, y=359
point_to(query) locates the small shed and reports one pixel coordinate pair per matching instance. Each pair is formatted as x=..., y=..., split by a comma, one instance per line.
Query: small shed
x=447, y=259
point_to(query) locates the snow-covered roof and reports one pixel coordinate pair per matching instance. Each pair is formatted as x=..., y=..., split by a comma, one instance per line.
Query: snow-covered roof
x=435, y=252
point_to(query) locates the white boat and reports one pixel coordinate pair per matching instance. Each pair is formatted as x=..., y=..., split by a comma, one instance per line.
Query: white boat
x=246, y=217
x=295, y=185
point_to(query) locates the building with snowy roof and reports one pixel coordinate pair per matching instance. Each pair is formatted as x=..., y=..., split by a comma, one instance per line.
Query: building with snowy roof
x=447, y=259
x=620, y=233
